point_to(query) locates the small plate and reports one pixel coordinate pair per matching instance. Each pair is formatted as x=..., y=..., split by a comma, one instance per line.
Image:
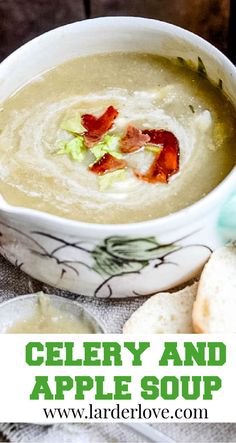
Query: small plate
x=23, y=307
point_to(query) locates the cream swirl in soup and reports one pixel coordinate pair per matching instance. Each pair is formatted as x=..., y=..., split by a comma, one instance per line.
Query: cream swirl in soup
x=148, y=92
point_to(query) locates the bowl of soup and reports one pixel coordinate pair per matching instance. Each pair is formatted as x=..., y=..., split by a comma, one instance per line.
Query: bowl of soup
x=41, y=313
x=117, y=148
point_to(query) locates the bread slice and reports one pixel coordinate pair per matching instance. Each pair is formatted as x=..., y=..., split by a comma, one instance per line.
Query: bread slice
x=164, y=313
x=215, y=306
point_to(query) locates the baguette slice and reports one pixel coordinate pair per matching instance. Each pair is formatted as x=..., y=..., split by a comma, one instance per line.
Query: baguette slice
x=215, y=306
x=164, y=313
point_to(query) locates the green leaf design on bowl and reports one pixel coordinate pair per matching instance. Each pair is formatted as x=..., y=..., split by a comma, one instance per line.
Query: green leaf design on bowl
x=106, y=264
x=118, y=255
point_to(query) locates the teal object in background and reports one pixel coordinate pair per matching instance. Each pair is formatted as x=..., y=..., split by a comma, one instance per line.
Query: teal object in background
x=227, y=219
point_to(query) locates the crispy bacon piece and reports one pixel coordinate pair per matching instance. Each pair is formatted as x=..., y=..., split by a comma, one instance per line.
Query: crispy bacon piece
x=133, y=140
x=98, y=126
x=107, y=163
x=166, y=162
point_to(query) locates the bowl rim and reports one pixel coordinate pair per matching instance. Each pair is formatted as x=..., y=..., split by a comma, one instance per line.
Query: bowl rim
x=175, y=219
x=33, y=295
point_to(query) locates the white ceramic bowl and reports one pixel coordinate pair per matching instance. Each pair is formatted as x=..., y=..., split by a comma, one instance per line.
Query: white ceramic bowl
x=134, y=259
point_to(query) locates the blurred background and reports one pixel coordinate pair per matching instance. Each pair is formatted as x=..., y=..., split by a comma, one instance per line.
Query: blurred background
x=21, y=20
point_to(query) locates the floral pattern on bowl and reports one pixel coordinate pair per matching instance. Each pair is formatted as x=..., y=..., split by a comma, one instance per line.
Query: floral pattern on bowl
x=118, y=266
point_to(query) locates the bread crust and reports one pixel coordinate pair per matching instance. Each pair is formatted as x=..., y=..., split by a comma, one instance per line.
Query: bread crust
x=216, y=295
x=164, y=313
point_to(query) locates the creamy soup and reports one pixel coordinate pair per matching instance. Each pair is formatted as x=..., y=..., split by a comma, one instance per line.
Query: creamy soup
x=47, y=319
x=38, y=170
